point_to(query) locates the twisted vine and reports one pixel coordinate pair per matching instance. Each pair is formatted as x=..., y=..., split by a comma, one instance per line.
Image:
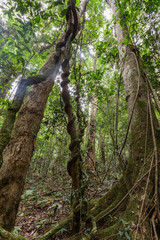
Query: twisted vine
x=74, y=164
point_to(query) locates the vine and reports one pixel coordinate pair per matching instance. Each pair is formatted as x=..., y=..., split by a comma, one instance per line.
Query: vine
x=74, y=166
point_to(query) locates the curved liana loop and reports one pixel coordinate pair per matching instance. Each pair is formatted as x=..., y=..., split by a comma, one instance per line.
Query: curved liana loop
x=74, y=165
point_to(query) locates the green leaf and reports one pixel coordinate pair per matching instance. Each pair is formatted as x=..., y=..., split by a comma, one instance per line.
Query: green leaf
x=77, y=3
x=10, y=42
x=121, y=233
x=27, y=193
x=19, y=20
x=22, y=9
x=127, y=228
x=20, y=33
x=59, y=2
x=23, y=61
x=62, y=230
x=55, y=210
x=122, y=221
x=16, y=229
x=37, y=19
x=127, y=236
x=20, y=214
x=63, y=13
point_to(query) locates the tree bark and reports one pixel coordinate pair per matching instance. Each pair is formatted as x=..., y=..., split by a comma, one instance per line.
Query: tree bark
x=136, y=96
x=6, y=129
x=102, y=150
x=135, y=198
x=19, y=151
x=91, y=159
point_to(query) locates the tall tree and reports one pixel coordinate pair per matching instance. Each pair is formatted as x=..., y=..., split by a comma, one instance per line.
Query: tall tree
x=19, y=151
x=131, y=208
x=142, y=166
x=91, y=159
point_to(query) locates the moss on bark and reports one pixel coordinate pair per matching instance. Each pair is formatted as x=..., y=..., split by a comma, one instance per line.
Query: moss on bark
x=56, y=228
x=10, y=236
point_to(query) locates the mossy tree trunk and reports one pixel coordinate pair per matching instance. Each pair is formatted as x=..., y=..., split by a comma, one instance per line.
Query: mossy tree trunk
x=8, y=123
x=141, y=141
x=19, y=151
x=135, y=198
x=6, y=129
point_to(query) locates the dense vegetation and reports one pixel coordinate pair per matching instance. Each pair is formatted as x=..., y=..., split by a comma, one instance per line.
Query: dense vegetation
x=94, y=136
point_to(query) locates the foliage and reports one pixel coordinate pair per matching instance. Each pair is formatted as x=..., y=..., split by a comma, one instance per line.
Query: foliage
x=29, y=31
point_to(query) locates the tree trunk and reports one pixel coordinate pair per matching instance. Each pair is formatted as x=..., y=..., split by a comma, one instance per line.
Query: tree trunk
x=6, y=129
x=102, y=150
x=19, y=151
x=137, y=99
x=91, y=159
x=135, y=198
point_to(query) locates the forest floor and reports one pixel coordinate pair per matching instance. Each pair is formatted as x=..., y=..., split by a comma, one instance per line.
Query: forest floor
x=46, y=201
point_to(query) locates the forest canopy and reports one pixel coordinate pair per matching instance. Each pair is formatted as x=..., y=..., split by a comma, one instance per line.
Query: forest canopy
x=80, y=116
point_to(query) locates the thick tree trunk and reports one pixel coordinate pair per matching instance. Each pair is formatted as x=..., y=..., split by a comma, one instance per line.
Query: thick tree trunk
x=137, y=99
x=135, y=197
x=6, y=129
x=19, y=151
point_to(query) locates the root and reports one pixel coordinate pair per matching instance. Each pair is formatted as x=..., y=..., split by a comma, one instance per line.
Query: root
x=107, y=200
x=5, y=235
x=153, y=224
x=56, y=228
x=114, y=216
x=119, y=200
